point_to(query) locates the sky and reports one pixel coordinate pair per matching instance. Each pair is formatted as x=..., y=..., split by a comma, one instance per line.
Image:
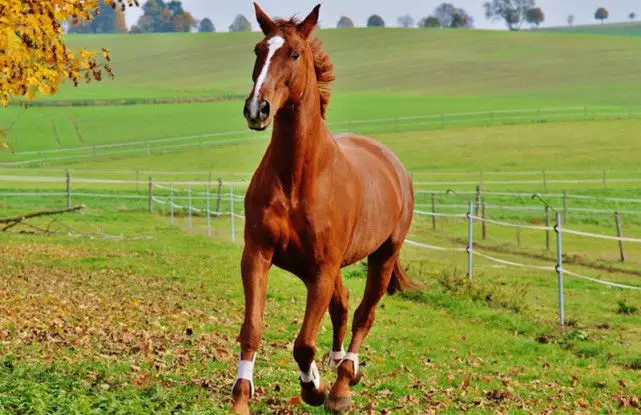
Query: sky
x=222, y=12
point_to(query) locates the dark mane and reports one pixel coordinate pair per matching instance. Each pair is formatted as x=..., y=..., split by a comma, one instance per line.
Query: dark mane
x=322, y=63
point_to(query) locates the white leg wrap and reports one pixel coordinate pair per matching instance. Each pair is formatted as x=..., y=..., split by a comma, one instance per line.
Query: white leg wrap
x=354, y=358
x=246, y=372
x=335, y=358
x=312, y=376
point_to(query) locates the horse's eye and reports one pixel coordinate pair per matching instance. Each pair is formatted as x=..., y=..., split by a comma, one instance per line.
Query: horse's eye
x=295, y=55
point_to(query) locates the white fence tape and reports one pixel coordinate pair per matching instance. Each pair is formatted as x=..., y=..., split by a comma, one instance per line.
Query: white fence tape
x=513, y=264
x=513, y=225
x=434, y=248
x=611, y=284
x=599, y=236
x=443, y=215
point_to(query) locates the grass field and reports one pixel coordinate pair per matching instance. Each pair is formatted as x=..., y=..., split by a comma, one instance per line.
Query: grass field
x=384, y=73
x=120, y=312
x=616, y=29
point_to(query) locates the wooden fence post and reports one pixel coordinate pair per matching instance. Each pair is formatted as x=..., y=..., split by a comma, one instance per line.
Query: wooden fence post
x=68, y=188
x=484, y=226
x=433, y=212
x=220, y=188
x=547, y=225
x=518, y=237
x=565, y=206
x=617, y=217
x=477, y=205
x=151, y=195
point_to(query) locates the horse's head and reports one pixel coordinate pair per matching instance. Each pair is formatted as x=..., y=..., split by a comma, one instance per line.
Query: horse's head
x=284, y=61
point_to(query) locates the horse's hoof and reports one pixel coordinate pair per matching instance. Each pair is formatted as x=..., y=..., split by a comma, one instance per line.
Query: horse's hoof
x=338, y=405
x=312, y=396
x=356, y=379
x=240, y=408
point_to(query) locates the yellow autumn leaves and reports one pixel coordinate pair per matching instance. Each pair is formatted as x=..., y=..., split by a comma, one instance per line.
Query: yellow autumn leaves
x=33, y=55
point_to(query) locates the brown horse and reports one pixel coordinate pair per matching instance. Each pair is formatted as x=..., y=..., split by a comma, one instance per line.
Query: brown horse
x=316, y=203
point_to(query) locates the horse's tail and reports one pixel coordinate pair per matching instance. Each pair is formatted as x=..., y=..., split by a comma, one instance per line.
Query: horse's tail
x=400, y=282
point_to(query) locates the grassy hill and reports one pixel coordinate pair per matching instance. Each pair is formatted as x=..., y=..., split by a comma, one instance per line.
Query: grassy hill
x=381, y=73
x=618, y=29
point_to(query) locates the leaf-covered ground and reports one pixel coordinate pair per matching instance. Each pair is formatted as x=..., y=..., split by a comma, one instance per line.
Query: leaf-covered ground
x=149, y=326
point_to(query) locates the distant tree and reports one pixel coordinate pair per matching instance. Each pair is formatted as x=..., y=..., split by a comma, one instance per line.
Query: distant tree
x=429, y=22
x=406, y=21
x=632, y=16
x=161, y=16
x=105, y=21
x=345, y=22
x=444, y=13
x=121, y=22
x=601, y=14
x=511, y=11
x=206, y=26
x=375, y=21
x=184, y=22
x=570, y=20
x=535, y=16
x=240, y=24
x=461, y=19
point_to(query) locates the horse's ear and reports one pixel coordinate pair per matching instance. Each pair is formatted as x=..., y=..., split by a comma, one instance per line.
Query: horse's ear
x=309, y=24
x=265, y=22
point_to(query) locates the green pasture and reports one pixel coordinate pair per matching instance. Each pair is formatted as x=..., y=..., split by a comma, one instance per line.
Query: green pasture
x=617, y=29
x=118, y=311
x=147, y=324
x=380, y=74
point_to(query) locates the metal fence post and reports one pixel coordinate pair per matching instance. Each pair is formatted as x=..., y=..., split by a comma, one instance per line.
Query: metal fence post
x=433, y=212
x=547, y=225
x=617, y=217
x=559, y=268
x=151, y=195
x=171, y=204
x=231, y=204
x=470, y=239
x=68, y=188
x=208, y=212
x=189, y=205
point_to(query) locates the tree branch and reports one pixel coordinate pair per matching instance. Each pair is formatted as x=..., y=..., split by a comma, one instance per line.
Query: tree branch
x=11, y=222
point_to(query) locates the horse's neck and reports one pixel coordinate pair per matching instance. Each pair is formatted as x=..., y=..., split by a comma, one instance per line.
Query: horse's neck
x=300, y=142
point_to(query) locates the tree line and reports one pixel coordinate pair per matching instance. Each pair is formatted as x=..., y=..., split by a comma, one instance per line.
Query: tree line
x=170, y=16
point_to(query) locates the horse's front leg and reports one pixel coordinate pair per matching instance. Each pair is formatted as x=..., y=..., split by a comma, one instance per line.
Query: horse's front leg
x=255, y=265
x=319, y=293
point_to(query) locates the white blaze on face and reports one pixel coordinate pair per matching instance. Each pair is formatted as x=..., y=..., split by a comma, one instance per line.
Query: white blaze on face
x=274, y=43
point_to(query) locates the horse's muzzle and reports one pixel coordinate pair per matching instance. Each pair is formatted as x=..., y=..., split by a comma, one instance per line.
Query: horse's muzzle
x=257, y=116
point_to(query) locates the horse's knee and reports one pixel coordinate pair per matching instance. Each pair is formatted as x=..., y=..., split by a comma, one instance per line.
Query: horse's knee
x=304, y=354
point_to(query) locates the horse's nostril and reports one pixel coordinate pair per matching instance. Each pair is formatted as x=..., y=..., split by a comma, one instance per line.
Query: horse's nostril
x=246, y=111
x=264, y=110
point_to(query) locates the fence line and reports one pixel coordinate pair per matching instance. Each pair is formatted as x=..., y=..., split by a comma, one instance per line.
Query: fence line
x=397, y=123
x=442, y=193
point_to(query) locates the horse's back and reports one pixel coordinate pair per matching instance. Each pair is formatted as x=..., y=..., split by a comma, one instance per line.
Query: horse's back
x=372, y=158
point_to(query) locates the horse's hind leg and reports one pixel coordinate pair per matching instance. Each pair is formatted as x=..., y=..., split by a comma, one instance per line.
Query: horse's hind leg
x=338, y=309
x=379, y=273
